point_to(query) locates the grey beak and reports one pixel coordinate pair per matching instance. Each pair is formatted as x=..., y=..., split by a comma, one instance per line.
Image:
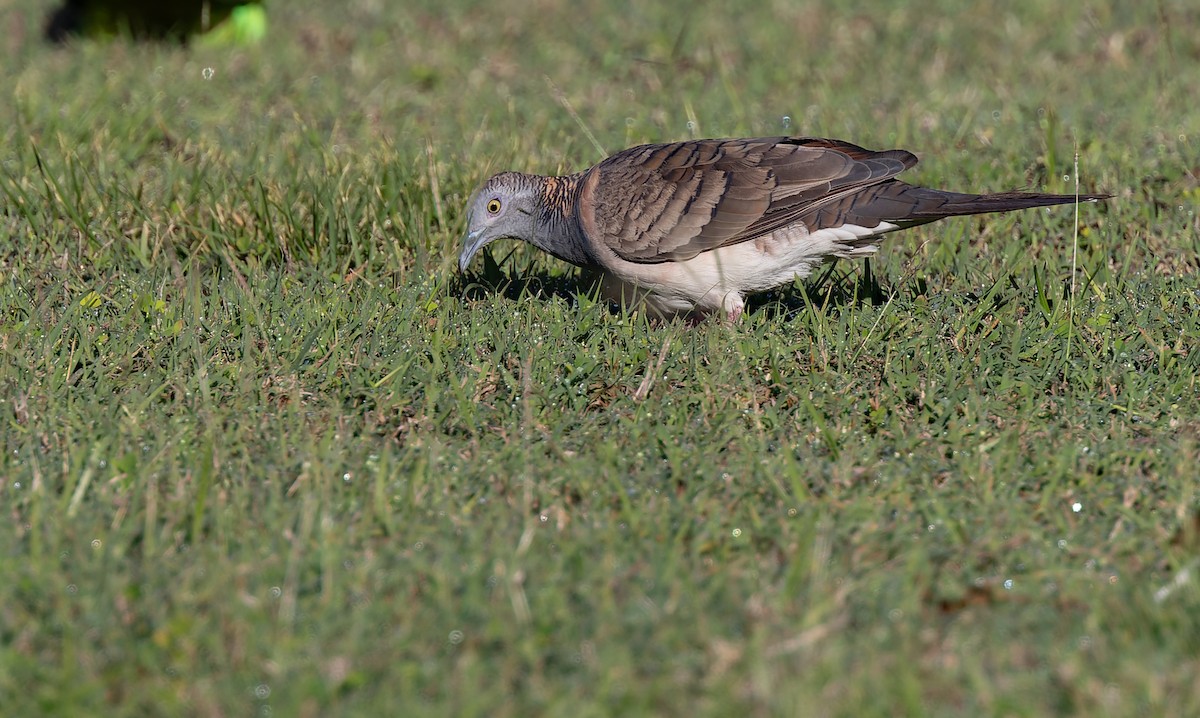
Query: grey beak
x=471, y=245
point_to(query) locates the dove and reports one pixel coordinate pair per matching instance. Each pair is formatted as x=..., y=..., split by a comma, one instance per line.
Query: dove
x=692, y=228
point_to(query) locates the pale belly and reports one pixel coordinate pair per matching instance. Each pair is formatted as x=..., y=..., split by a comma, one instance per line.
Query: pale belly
x=718, y=280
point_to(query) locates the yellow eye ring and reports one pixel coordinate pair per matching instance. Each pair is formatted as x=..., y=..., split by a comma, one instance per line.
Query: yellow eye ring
x=493, y=206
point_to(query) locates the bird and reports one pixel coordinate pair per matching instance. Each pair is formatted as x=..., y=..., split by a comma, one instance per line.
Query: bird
x=692, y=228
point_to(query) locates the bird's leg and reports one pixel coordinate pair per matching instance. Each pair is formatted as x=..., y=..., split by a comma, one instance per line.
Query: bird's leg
x=734, y=306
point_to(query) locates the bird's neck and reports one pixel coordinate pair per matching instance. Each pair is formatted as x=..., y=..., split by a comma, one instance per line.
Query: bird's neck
x=557, y=228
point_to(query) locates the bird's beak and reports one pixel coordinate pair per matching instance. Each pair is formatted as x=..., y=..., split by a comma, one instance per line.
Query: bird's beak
x=471, y=244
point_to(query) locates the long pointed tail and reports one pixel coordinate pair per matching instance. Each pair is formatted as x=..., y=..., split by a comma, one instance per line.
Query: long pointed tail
x=931, y=204
x=904, y=205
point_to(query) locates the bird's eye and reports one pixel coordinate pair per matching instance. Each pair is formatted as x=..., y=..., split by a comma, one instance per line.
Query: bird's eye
x=493, y=206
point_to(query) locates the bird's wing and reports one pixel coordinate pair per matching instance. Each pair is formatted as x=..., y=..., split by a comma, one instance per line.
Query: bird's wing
x=670, y=202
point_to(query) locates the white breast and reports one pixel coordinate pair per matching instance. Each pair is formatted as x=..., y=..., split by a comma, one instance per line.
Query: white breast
x=719, y=279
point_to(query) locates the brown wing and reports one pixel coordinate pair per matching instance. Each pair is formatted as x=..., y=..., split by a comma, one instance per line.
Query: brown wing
x=670, y=202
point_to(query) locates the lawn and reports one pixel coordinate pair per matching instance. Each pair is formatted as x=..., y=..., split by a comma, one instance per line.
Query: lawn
x=265, y=452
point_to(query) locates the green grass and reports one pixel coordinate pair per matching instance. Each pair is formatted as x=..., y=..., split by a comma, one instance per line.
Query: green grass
x=264, y=450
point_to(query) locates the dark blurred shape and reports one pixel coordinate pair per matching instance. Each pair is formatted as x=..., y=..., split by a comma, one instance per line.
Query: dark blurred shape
x=239, y=21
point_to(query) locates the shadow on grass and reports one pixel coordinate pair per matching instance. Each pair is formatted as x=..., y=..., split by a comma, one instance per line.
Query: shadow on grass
x=514, y=284
x=838, y=286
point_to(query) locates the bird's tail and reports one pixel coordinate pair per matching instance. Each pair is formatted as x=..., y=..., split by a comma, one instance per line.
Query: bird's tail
x=903, y=205
x=932, y=204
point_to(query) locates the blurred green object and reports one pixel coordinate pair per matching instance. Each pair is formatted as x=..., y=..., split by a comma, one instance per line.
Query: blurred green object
x=216, y=22
x=246, y=25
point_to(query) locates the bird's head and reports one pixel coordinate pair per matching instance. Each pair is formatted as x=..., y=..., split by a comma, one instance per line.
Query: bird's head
x=504, y=207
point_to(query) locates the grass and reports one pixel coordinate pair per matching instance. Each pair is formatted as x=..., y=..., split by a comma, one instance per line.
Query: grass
x=265, y=452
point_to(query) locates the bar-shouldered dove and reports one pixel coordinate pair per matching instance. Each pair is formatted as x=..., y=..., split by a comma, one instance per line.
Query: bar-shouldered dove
x=691, y=228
